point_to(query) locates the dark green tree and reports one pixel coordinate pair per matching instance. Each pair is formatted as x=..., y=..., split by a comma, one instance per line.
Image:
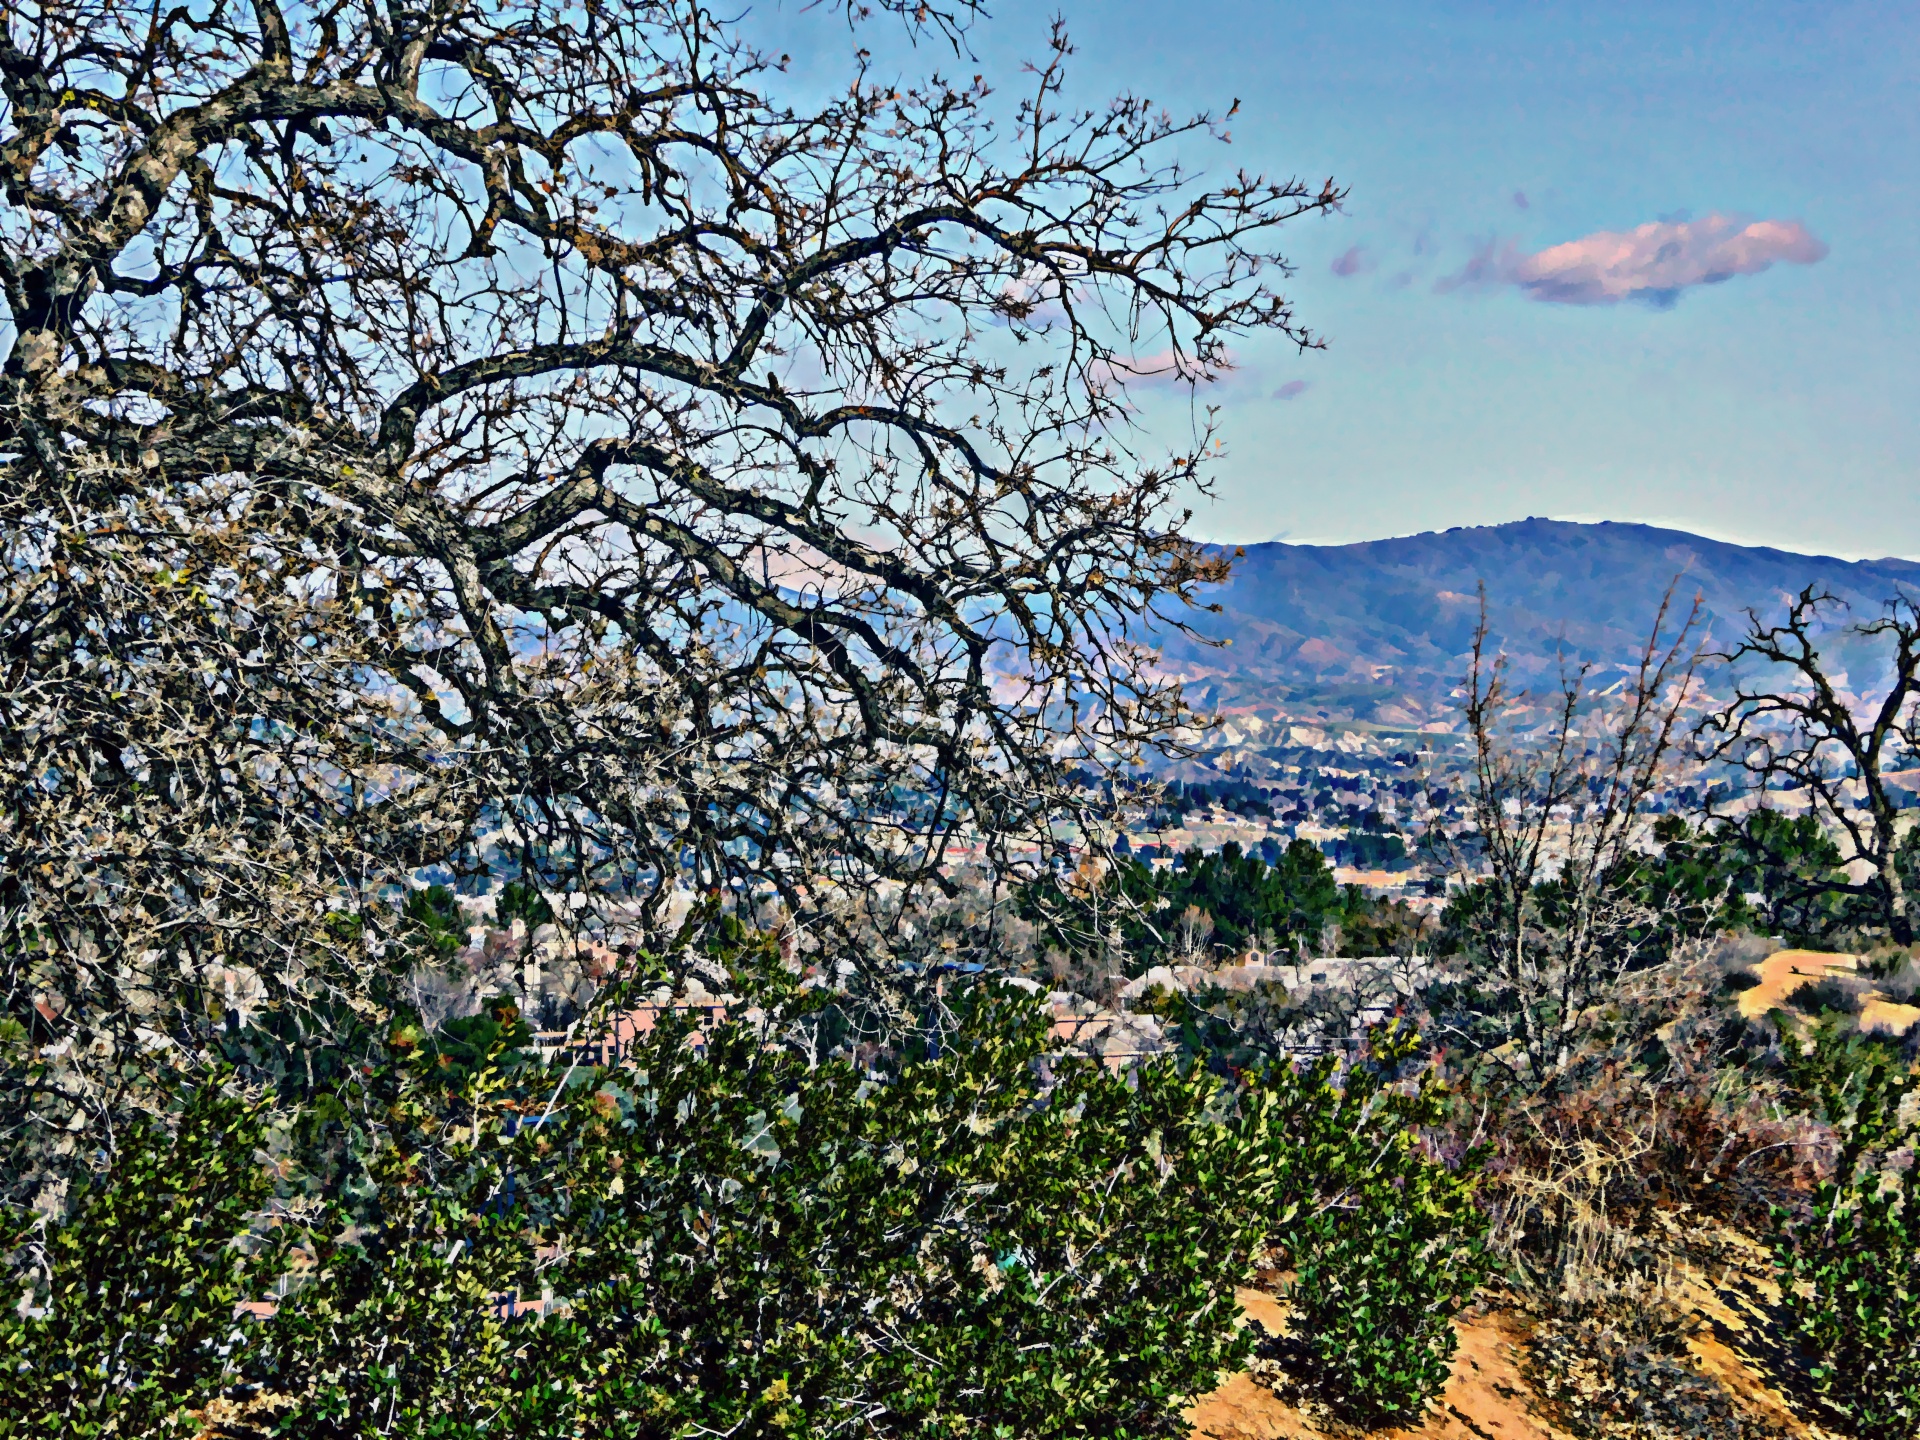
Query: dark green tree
x=1794, y=867
x=1134, y=911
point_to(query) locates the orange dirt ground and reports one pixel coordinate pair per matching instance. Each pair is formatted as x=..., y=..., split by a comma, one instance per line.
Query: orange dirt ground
x=1485, y=1400
x=1785, y=971
x=1491, y=1397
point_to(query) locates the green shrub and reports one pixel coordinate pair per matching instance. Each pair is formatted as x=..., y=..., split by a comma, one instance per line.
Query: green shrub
x=1386, y=1242
x=1850, y=1263
x=1850, y=1272
x=1831, y=995
x=128, y=1321
x=741, y=1236
x=401, y=1325
x=945, y=1248
x=737, y=1235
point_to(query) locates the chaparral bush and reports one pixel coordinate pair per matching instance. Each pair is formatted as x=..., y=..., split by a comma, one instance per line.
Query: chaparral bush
x=1387, y=1243
x=1849, y=1258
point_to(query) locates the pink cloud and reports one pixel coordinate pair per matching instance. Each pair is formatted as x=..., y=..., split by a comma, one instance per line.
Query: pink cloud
x=1291, y=389
x=1652, y=262
x=1352, y=262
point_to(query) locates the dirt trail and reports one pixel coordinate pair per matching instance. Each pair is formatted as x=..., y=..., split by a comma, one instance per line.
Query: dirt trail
x=1487, y=1397
x=1786, y=971
x=1490, y=1395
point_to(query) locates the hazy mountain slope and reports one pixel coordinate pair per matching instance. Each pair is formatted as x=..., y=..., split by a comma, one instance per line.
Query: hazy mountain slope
x=1387, y=623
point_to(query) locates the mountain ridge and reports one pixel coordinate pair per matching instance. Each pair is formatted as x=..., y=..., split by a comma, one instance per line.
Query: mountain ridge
x=1388, y=623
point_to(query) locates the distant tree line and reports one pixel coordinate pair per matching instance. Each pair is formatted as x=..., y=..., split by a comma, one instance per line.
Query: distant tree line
x=1206, y=905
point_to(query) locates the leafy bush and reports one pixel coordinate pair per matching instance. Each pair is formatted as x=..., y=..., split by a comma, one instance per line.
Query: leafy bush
x=1832, y=995
x=1386, y=1239
x=1850, y=1262
x=740, y=1231
x=736, y=1235
x=402, y=1322
x=1850, y=1269
x=1387, y=1243
x=129, y=1316
x=942, y=1248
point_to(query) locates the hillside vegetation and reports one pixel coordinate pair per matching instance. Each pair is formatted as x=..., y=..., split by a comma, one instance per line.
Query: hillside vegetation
x=576, y=614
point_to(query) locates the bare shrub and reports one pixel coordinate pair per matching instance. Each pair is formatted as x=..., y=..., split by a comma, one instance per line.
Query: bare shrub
x=1672, y=1116
x=1554, y=912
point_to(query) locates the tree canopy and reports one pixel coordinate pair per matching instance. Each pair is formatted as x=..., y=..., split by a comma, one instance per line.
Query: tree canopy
x=509, y=442
x=513, y=435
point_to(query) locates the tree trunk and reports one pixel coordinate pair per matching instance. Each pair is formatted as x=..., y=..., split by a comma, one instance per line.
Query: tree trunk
x=1899, y=923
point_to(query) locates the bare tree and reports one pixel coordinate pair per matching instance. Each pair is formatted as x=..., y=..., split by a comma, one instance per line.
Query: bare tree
x=478, y=435
x=1559, y=789
x=1833, y=744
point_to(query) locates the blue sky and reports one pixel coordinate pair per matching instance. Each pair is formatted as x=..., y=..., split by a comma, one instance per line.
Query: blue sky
x=1778, y=407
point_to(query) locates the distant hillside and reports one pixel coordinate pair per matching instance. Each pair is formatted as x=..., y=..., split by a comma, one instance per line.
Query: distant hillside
x=1379, y=631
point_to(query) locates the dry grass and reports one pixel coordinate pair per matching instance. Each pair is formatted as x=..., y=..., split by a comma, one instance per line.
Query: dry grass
x=1620, y=1197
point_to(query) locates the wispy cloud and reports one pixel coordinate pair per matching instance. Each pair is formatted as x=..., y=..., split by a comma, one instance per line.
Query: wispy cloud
x=1163, y=369
x=1291, y=389
x=1652, y=262
x=1352, y=262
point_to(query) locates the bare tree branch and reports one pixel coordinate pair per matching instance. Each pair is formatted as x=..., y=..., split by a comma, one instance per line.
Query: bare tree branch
x=1837, y=747
x=1557, y=802
x=487, y=435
